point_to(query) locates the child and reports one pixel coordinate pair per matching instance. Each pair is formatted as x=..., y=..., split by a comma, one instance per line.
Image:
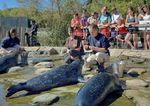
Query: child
x=72, y=43
x=121, y=29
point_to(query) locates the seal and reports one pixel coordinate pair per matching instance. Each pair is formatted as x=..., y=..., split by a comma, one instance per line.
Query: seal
x=96, y=89
x=7, y=62
x=57, y=77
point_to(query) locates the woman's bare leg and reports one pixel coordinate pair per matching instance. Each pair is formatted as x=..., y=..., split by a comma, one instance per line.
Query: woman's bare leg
x=128, y=38
x=148, y=39
x=135, y=40
x=145, y=41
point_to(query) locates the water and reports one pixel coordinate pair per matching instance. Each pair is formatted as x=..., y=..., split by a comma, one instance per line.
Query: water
x=67, y=94
x=2, y=98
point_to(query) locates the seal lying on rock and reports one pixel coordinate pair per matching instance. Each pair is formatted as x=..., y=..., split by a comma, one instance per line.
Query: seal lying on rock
x=96, y=89
x=59, y=76
x=7, y=62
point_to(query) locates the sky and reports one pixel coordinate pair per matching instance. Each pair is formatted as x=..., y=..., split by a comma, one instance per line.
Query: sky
x=4, y=4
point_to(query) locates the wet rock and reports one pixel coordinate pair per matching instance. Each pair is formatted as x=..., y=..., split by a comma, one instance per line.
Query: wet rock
x=41, y=71
x=136, y=83
x=15, y=69
x=36, y=60
x=45, y=99
x=53, y=51
x=29, y=69
x=138, y=97
x=44, y=65
x=138, y=71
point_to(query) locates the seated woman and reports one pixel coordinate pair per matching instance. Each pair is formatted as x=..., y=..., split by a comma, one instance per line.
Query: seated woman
x=11, y=45
x=122, y=31
x=72, y=43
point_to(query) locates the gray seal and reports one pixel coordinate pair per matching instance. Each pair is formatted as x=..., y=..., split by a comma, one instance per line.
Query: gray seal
x=96, y=89
x=7, y=62
x=59, y=76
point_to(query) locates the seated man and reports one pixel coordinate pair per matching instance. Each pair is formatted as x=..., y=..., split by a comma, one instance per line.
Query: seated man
x=11, y=45
x=98, y=44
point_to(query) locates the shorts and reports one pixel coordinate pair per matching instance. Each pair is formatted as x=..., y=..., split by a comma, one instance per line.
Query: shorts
x=132, y=29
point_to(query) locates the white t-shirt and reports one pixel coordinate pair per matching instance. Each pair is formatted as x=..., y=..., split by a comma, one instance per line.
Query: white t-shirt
x=146, y=17
x=91, y=20
x=116, y=16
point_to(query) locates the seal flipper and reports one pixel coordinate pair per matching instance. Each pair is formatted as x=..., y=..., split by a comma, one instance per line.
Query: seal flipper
x=81, y=79
x=15, y=88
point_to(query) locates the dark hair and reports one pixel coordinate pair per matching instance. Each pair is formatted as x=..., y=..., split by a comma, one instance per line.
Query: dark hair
x=12, y=30
x=70, y=29
x=93, y=26
x=76, y=14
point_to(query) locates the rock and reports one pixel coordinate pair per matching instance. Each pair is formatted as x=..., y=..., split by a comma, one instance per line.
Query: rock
x=53, y=51
x=45, y=99
x=44, y=65
x=136, y=83
x=138, y=97
x=41, y=71
x=138, y=71
x=147, y=79
x=29, y=69
x=15, y=69
x=137, y=60
x=36, y=60
x=63, y=51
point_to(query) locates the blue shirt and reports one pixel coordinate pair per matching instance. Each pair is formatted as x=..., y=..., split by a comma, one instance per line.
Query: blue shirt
x=99, y=41
x=104, y=18
x=10, y=42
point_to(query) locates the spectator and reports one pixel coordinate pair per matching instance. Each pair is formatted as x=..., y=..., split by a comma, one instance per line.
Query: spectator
x=31, y=35
x=93, y=18
x=11, y=44
x=121, y=30
x=104, y=21
x=131, y=22
x=99, y=45
x=75, y=23
x=114, y=17
x=140, y=18
x=84, y=23
x=146, y=16
x=72, y=43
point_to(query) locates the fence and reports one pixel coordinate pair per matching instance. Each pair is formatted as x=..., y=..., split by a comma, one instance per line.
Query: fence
x=20, y=23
